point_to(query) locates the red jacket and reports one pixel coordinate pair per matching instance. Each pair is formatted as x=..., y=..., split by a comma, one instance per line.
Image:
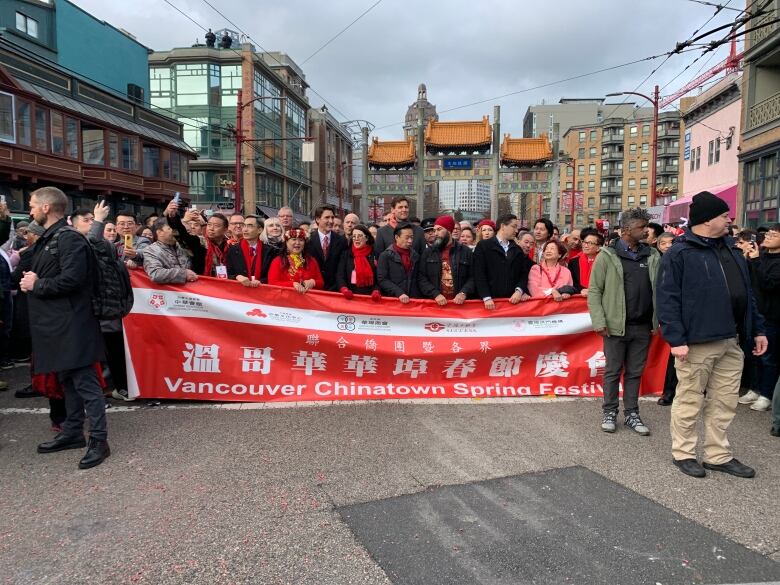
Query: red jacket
x=279, y=276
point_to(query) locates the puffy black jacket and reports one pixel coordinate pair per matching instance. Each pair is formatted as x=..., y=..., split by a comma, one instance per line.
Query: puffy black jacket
x=765, y=277
x=693, y=303
x=429, y=274
x=393, y=279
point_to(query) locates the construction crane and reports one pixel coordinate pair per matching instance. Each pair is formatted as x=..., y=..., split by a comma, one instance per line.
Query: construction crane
x=730, y=65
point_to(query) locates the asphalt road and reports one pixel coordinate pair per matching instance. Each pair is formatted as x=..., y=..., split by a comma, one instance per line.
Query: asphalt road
x=210, y=495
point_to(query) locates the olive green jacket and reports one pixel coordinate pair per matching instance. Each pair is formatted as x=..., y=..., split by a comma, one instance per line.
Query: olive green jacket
x=606, y=297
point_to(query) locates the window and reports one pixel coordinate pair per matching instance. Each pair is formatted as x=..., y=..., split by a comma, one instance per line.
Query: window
x=630, y=199
x=643, y=200
x=130, y=154
x=580, y=169
x=161, y=87
x=645, y=148
x=23, y=122
x=643, y=183
x=151, y=161
x=231, y=83
x=698, y=157
x=632, y=148
x=632, y=183
x=644, y=165
x=165, y=159
x=27, y=25
x=41, y=128
x=581, y=136
x=192, y=84
x=113, y=150
x=591, y=185
x=57, y=134
x=632, y=166
x=593, y=135
x=175, y=167
x=92, y=141
x=591, y=202
x=580, y=185
x=591, y=169
x=581, y=153
x=71, y=137
x=713, y=157
x=632, y=131
x=592, y=152
x=645, y=129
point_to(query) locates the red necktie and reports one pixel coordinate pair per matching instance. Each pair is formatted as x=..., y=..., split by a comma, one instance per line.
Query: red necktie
x=325, y=246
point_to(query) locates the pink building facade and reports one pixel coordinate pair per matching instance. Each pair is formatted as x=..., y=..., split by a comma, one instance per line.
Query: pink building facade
x=712, y=129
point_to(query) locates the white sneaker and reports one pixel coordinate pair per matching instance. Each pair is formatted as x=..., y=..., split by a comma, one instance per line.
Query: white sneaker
x=763, y=403
x=749, y=398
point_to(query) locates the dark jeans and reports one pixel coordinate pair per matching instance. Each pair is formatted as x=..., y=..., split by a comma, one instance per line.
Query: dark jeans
x=83, y=392
x=625, y=355
x=115, y=357
x=670, y=380
x=767, y=363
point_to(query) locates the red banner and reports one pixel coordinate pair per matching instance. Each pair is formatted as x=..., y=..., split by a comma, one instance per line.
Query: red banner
x=218, y=340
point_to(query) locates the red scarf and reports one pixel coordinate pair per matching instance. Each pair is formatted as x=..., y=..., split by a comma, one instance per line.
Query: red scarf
x=214, y=251
x=364, y=274
x=554, y=280
x=585, y=267
x=249, y=259
x=406, y=257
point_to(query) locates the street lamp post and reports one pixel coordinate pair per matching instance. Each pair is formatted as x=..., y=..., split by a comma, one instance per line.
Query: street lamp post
x=655, y=100
x=571, y=163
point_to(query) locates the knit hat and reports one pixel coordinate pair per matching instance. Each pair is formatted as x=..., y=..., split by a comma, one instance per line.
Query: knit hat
x=489, y=222
x=446, y=221
x=704, y=207
x=35, y=228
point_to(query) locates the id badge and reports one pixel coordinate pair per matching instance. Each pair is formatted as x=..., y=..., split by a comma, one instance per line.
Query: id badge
x=221, y=271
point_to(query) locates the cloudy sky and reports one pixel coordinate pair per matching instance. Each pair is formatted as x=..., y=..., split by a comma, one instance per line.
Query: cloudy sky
x=464, y=51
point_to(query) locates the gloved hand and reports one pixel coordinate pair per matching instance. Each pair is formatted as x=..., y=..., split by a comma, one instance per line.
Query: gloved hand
x=348, y=294
x=376, y=296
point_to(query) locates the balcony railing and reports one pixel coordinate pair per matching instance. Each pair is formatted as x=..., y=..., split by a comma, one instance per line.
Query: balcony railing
x=608, y=137
x=761, y=34
x=612, y=155
x=764, y=112
x=612, y=172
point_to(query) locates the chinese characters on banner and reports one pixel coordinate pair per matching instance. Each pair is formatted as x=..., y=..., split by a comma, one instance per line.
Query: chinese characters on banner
x=216, y=340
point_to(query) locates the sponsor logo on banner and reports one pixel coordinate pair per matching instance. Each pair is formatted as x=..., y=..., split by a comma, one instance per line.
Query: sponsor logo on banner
x=537, y=324
x=257, y=312
x=345, y=322
x=372, y=324
x=284, y=317
x=451, y=327
x=188, y=303
x=157, y=300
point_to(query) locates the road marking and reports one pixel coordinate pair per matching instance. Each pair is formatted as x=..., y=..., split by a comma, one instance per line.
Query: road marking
x=323, y=403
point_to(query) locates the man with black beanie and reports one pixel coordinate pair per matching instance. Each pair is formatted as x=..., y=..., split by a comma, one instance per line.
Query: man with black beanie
x=708, y=314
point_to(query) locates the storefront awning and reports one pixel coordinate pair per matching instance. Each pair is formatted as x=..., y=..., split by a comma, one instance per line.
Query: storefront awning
x=680, y=208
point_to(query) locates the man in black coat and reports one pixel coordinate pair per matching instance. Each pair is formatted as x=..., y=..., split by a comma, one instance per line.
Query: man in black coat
x=396, y=269
x=385, y=237
x=66, y=334
x=326, y=246
x=500, y=267
x=445, y=267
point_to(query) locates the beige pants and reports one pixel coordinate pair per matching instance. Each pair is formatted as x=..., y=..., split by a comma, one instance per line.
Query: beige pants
x=714, y=367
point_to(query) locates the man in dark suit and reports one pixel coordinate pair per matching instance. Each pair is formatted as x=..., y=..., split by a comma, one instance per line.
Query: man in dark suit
x=66, y=334
x=500, y=267
x=326, y=246
x=398, y=216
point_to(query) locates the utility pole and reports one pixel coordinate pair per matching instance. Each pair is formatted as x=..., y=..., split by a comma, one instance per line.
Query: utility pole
x=655, y=101
x=555, y=189
x=238, y=194
x=364, y=162
x=496, y=161
x=420, y=208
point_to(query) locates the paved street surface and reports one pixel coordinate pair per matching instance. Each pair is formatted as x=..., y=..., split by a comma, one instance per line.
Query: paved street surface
x=479, y=492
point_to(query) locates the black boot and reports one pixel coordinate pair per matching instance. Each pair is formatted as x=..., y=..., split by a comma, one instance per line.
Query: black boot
x=62, y=442
x=96, y=452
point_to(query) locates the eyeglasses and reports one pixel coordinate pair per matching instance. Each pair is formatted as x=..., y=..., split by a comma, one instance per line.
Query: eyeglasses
x=590, y=243
x=358, y=237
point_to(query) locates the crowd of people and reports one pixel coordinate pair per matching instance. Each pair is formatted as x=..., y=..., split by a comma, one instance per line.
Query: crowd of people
x=712, y=300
